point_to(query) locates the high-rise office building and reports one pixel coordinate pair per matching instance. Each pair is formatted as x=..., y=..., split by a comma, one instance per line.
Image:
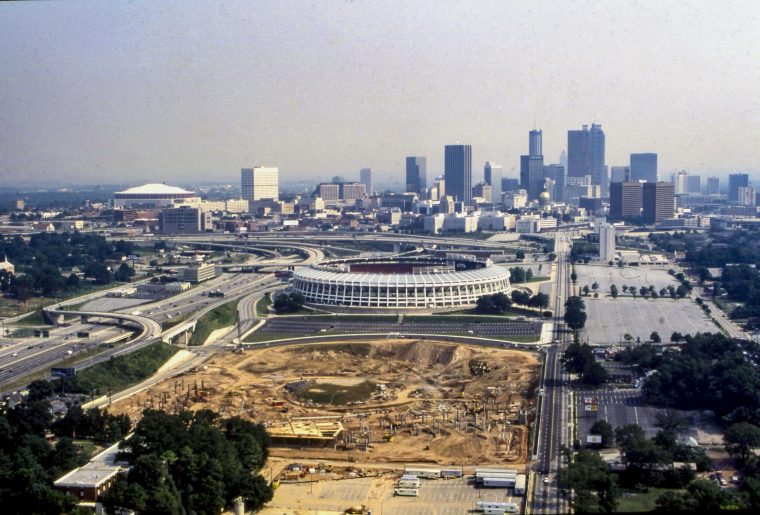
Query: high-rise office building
x=713, y=186
x=620, y=174
x=416, y=174
x=555, y=173
x=532, y=166
x=657, y=200
x=585, y=155
x=260, y=183
x=458, y=172
x=625, y=200
x=492, y=175
x=535, y=143
x=328, y=191
x=679, y=181
x=563, y=159
x=365, y=177
x=644, y=167
x=736, y=181
x=694, y=184
x=606, y=242
x=350, y=191
x=483, y=190
x=746, y=196
x=532, y=175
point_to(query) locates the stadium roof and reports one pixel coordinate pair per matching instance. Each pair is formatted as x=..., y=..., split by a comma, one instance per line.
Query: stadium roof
x=479, y=275
x=155, y=189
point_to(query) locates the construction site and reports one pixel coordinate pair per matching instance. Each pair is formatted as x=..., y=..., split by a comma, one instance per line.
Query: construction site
x=388, y=401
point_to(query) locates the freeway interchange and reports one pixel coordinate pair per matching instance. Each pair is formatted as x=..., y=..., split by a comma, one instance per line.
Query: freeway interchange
x=144, y=324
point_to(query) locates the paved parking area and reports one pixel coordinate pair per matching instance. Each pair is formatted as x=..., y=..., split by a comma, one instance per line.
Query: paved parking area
x=609, y=319
x=294, y=326
x=436, y=497
x=618, y=407
x=637, y=276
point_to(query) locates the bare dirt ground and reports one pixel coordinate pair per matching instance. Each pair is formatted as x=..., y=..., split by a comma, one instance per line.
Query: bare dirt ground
x=428, y=401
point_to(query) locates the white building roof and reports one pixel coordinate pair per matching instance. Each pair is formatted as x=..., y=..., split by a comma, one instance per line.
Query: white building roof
x=478, y=275
x=154, y=189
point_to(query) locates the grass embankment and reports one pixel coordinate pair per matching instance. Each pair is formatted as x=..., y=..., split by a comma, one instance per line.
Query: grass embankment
x=122, y=372
x=168, y=324
x=33, y=318
x=262, y=306
x=223, y=316
x=256, y=337
x=639, y=502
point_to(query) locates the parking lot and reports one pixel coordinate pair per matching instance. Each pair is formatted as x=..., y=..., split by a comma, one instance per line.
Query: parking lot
x=436, y=497
x=637, y=276
x=303, y=326
x=618, y=407
x=609, y=319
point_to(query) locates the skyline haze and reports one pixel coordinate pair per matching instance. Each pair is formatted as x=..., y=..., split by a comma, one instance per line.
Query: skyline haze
x=139, y=92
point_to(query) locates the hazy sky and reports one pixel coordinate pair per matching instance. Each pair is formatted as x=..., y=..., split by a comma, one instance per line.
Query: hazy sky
x=180, y=91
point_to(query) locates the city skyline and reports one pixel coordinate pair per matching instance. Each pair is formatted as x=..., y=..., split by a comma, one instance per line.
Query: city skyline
x=185, y=93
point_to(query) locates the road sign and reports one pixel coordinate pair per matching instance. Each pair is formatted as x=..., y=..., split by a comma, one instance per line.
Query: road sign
x=63, y=372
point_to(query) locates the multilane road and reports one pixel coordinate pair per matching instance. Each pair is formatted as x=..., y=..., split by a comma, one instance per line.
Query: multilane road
x=553, y=425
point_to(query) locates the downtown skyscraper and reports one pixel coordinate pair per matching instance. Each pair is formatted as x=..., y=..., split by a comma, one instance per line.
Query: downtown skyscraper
x=585, y=155
x=532, y=166
x=416, y=175
x=644, y=167
x=458, y=172
x=736, y=181
x=492, y=173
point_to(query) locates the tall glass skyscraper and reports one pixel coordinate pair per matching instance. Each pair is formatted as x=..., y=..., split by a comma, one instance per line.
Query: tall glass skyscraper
x=492, y=174
x=532, y=166
x=416, y=170
x=458, y=172
x=644, y=167
x=585, y=155
x=736, y=181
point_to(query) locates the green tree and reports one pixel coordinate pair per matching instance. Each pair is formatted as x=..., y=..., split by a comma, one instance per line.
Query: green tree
x=741, y=438
x=496, y=304
x=605, y=430
x=520, y=255
x=655, y=337
x=575, y=318
x=288, y=302
x=594, y=486
x=614, y=291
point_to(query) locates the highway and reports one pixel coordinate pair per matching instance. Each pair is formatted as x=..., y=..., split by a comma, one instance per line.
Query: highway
x=553, y=424
x=31, y=355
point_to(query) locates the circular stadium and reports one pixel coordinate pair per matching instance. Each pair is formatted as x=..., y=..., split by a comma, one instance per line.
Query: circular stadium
x=400, y=282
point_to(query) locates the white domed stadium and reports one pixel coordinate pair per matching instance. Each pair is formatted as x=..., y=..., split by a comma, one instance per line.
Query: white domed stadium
x=155, y=196
x=400, y=283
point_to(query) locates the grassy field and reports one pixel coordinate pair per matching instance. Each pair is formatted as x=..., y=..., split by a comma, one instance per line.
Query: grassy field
x=639, y=502
x=223, y=316
x=328, y=393
x=88, y=448
x=122, y=372
x=34, y=318
x=256, y=337
x=168, y=324
x=262, y=306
